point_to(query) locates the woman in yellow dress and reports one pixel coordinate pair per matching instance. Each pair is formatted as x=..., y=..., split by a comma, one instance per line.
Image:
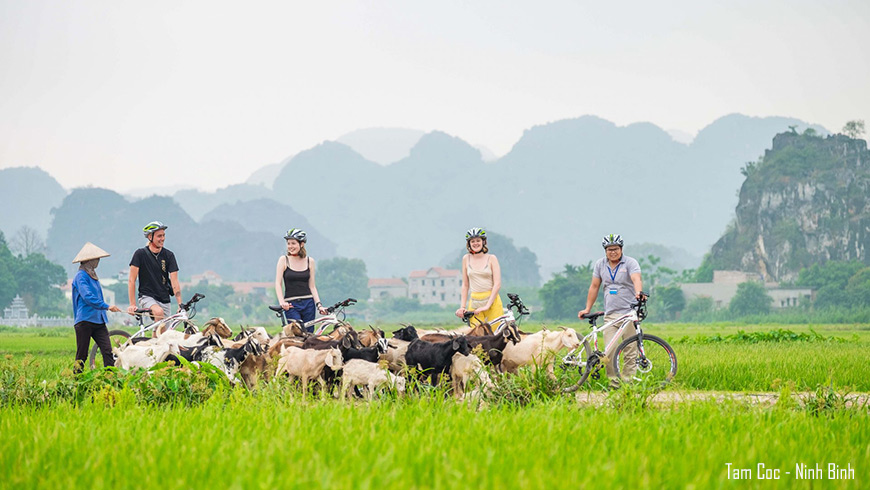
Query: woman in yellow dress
x=481, y=275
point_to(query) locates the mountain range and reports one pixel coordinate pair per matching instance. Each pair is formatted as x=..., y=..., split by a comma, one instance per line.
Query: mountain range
x=561, y=187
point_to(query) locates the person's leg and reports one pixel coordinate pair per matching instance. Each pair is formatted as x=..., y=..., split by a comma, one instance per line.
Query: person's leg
x=609, y=333
x=83, y=344
x=307, y=311
x=629, y=354
x=100, y=334
x=494, y=311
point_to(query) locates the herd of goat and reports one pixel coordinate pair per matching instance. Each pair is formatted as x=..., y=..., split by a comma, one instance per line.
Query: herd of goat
x=365, y=360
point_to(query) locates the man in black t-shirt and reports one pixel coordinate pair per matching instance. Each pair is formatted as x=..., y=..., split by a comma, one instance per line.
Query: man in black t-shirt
x=157, y=271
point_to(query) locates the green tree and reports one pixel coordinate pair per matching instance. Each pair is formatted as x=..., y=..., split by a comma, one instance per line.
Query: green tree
x=340, y=278
x=751, y=299
x=854, y=129
x=38, y=283
x=8, y=284
x=565, y=294
x=859, y=288
x=831, y=282
x=667, y=302
x=698, y=309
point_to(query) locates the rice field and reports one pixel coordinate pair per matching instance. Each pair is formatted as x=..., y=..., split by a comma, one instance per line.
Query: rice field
x=173, y=431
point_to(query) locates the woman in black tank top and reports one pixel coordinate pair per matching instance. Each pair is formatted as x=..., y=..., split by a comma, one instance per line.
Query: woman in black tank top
x=295, y=272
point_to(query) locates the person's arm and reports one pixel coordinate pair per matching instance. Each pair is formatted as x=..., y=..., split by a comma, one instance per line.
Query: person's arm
x=131, y=289
x=638, y=284
x=176, y=287
x=87, y=290
x=313, y=287
x=591, y=296
x=496, y=284
x=464, y=296
x=279, y=282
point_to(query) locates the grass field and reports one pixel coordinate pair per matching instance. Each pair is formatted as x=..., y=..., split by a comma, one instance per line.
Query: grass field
x=70, y=434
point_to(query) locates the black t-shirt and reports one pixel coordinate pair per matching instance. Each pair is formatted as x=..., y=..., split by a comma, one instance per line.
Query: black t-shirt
x=154, y=270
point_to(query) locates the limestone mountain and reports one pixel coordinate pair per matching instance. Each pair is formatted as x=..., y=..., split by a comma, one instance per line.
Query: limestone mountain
x=807, y=201
x=274, y=218
x=27, y=195
x=115, y=224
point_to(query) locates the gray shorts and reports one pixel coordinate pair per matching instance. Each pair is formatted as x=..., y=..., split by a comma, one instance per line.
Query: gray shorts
x=146, y=302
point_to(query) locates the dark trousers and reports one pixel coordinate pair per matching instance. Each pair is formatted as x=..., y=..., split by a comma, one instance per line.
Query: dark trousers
x=85, y=331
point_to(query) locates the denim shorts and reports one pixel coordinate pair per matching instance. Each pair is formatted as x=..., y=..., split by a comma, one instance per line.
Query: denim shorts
x=302, y=310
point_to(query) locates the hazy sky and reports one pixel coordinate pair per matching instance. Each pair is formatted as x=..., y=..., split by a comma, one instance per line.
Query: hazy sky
x=142, y=94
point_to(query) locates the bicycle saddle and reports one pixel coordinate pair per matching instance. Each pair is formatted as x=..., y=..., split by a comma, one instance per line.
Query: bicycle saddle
x=592, y=316
x=276, y=308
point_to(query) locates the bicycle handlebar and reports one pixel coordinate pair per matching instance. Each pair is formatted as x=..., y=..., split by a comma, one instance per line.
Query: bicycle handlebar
x=341, y=304
x=196, y=297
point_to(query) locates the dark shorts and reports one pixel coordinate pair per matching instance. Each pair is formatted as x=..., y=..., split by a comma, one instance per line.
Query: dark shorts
x=302, y=310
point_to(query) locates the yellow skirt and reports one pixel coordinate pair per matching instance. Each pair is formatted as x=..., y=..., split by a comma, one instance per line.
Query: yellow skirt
x=479, y=300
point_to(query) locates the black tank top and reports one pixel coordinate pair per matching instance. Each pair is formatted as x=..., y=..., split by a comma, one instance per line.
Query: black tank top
x=296, y=282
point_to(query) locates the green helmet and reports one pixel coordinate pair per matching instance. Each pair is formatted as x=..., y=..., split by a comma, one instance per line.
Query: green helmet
x=611, y=240
x=475, y=233
x=152, y=227
x=296, y=234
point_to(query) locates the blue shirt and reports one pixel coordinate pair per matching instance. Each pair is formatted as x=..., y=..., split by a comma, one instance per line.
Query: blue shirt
x=87, y=299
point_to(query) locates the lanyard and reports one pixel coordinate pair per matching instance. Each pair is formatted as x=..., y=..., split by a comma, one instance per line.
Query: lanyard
x=613, y=272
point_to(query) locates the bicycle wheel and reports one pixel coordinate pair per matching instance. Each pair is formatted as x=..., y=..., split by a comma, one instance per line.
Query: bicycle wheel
x=587, y=363
x=116, y=338
x=655, y=367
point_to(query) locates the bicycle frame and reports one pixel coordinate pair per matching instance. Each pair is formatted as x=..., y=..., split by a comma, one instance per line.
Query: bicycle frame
x=172, y=320
x=575, y=359
x=501, y=322
x=325, y=321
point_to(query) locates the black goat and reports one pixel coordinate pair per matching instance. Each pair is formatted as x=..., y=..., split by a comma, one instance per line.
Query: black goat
x=435, y=359
x=494, y=345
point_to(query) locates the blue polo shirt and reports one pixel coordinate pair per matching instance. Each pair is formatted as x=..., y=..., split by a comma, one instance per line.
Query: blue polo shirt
x=87, y=299
x=619, y=291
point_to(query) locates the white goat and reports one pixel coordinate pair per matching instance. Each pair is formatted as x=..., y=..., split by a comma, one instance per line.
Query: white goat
x=395, y=354
x=468, y=368
x=308, y=364
x=538, y=349
x=143, y=356
x=370, y=375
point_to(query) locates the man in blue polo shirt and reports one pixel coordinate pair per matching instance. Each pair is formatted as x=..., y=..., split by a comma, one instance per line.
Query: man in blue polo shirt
x=620, y=276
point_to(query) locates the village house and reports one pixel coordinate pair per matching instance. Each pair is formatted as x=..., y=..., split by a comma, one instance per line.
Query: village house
x=435, y=286
x=724, y=288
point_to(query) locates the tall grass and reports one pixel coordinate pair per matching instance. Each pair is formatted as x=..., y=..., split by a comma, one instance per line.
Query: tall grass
x=244, y=440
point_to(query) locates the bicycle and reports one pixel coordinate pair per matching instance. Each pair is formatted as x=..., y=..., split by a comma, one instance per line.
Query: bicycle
x=656, y=363
x=119, y=337
x=501, y=322
x=325, y=321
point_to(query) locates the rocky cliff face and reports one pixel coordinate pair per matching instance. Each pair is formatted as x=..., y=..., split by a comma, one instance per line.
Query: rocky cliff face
x=805, y=202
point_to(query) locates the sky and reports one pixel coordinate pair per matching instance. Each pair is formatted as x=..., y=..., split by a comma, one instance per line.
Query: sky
x=127, y=95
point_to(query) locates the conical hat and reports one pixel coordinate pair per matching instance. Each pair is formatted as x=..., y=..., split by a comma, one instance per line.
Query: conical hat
x=90, y=252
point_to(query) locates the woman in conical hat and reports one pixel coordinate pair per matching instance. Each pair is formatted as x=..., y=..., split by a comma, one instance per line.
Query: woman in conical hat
x=90, y=307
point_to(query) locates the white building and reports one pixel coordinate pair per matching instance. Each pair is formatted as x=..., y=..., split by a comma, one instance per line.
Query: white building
x=724, y=288
x=435, y=286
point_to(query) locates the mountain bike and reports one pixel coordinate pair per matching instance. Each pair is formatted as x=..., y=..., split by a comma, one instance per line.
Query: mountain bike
x=656, y=363
x=184, y=315
x=501, y=322
x=322, y=323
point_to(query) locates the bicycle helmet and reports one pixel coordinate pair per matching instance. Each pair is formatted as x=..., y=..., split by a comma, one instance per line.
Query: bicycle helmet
x=296, y=234
x=611, y=240
x=152, y=227
x=475, y=233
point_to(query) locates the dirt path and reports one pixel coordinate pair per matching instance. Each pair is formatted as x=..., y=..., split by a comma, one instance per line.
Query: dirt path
x=665, y=398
